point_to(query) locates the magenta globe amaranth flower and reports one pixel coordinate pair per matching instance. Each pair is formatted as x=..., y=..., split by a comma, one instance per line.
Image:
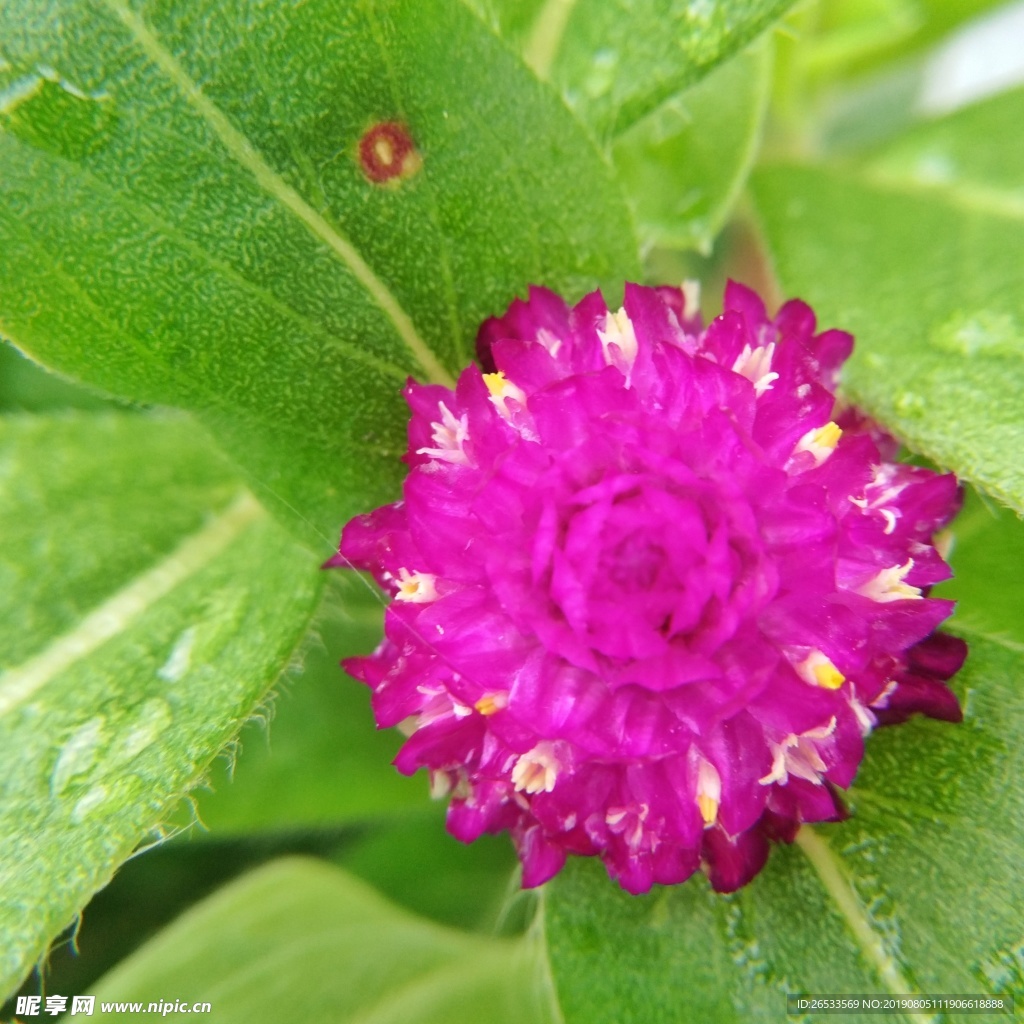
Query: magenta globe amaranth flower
x=652, y=587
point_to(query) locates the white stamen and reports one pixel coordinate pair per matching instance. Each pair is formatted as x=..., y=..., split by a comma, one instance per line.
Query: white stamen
x=618, y=331
x=440, y=785
x=416, y=587
x=882, y=700
x=549, y=341
x=615, y=816
x=450, y=435
x=691, y=299
x=798, y=756
x=628, y=822
x=536, y=770
x=755, y=364
x=890, y=518
x=888, y=585
x=865, y=717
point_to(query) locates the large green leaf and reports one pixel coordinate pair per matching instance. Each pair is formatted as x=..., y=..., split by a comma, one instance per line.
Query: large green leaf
x=654, y=83
x=684, y=165
x=298, y=940
x=919, y=251
x=185, y=218
x=617, y=62
x=918, y=892
x=146, y=604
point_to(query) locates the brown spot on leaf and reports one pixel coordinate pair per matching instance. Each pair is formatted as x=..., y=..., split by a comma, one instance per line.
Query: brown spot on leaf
x=388, y=154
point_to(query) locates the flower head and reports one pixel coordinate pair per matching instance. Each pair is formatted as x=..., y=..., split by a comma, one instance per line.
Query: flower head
x=651, y=588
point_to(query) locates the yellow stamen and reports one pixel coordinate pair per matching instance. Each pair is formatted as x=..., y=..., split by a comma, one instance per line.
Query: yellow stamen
x=820, y=442
x=691, y=299
x=490, y=703
x=618, y=331
x=502, y=389
x=818, y=670
x=828, y=676
x=708, y=808
x=828, y=436
x=495, y=383
x=709, y=791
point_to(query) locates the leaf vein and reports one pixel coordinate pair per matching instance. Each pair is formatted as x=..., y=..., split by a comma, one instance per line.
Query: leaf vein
x=459, y=342
x=840, y=889
x=121, y=609
x=244, y=153
x=173, y=233
x=960, y=196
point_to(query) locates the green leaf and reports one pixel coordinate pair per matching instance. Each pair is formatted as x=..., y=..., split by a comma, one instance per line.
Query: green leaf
x=654, y=83
x=852, y=36
x=987, y=555
x=919, y=891
x=415, y=862
x=27, y=387
x=684, y=165
x=147, y=602
x=919, y=251
x=319, y=761
x=617, y=62
x=185, y=219
x=299, y=940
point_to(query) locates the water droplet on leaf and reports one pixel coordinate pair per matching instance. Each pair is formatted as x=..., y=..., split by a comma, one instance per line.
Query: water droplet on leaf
x=88, y=803
x=602, y=74
x=909, y=403
x=153, y=719
x=982, y=334
x=180, y=658
x=78, y=754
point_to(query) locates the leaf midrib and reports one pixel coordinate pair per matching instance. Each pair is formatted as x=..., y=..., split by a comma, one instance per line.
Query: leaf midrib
x=174, y=233
x=546, y=34
x=839, y=888
x=248, y=156
x=960, y=195
x=459, y=341
x=121, y=609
